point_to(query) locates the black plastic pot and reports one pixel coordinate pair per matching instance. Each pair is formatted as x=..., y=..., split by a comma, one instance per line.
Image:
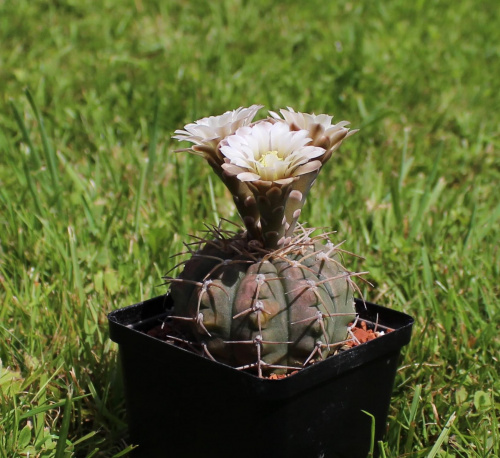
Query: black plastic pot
x=183, y=405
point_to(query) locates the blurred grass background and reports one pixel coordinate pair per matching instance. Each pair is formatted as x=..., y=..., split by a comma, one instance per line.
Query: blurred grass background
x=93, y=201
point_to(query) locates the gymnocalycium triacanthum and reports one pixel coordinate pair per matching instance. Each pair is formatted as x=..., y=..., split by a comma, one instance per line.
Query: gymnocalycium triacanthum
x=270, y=298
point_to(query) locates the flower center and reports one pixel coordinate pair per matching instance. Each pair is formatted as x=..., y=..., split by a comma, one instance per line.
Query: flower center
x=270, y=158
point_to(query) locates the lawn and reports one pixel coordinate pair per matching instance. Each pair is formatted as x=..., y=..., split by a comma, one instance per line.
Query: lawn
x=94, y=202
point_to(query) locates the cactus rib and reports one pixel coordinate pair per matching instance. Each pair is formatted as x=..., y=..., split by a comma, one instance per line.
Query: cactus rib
x=268, y=311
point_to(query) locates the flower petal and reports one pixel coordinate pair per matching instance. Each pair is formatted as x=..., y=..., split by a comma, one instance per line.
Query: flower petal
x=248, y=176
x=306, y=168
x=217, y=127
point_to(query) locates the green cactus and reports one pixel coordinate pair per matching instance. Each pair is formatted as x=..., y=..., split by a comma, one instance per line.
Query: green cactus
x=269, y=311
x=269, y=298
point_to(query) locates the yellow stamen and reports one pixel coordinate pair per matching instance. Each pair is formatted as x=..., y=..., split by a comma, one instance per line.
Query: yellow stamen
x=270, y=158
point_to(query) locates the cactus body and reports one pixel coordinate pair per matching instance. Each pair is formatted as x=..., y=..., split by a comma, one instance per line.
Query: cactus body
x=270, y=311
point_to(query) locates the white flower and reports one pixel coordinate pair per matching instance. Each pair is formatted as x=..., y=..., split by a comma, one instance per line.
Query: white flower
x=209, y=131
x=302, y=120
x=270, y=152
x=320, y=128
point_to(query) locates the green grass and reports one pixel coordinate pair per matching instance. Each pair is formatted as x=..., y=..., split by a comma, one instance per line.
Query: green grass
x=93, y=201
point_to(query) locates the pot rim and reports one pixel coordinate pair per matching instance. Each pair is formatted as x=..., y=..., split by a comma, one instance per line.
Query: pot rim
x=127, y=324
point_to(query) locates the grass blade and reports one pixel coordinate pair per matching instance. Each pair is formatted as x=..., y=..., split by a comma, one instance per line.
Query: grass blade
x=63, y=433
x=46, y=407
x=396, y=204
x=442, y=437
x=26, y=136
x=411, y=421
x=153, y=140
x=125, y=451
x=427, y=194
x=50, y=156
x=138, y=197
x=77, y=278
x=372, y=433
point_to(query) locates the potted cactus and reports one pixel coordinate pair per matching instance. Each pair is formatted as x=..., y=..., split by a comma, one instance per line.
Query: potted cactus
x=258, y=324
